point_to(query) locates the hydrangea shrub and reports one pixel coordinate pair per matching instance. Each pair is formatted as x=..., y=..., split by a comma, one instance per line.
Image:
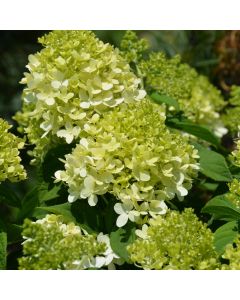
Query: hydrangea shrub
x=114, y=184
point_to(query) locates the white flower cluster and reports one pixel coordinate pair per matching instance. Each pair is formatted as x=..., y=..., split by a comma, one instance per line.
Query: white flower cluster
x=131, y=154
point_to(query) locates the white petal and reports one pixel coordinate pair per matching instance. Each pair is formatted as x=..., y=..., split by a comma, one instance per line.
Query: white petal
x=118, y=208
x=92, y=200
x=106, y=86
x=83, y=172
x=50, y=101
x=141, y=94
x=182, y=191
x=56, y=84
x=85, y=104
x=69, y=138
x=84, y=142
x=122, y=220
x=72, y=198
x=144, y=176
x=58, y=174
x=99, y=262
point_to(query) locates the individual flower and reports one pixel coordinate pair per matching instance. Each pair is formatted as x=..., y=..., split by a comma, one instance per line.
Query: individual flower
x=50, y=243
x=175, y=241
x=131, y=154
x=109, y=258
x=71, y=82
x=10, y=161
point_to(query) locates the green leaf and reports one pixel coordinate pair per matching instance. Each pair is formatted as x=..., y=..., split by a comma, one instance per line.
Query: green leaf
x=213, y=164
x=60, y=209
x=8, y=196
x=88, y=217
x=3, y=250
x=47, y=193
x=224, y=235
x=164, y=99
x=222, y=209
x=29, y=202
x=52, y=161
x=199, y=131
x=121, y=238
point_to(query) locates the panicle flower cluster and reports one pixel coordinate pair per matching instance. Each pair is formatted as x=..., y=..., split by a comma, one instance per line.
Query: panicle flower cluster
x=71, y=82
x=52, y=244
x=10, y=167
x=232, y=254
x=176, y=241
x=231, y=116
x=199, y=99
x=132, y=47
x=131, y=154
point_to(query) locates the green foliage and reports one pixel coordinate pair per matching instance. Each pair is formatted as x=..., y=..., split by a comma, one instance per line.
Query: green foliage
x=3, y=250
x=213, y=164
x=200, y=131
x=225, y=235
x=163, y=99
x=121, y=238
x=222, y=209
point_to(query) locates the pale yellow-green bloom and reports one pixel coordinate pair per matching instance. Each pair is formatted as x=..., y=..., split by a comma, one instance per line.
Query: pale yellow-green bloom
x=10, y=161
x=231, y=116
x=131, y=154
x=232, y=255
x=176, y=241
x=234, y=192
x=50, y=243
x=70, y=83
x=197, y=97
x=235, y=155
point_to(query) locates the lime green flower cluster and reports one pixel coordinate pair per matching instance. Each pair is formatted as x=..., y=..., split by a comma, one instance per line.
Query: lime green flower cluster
x=176, y=241
x=234, y=192
x=131, y=154
x=231, y=116
x=232, y=254
x=132, y=47
x=200, y=100
x=10, y=167
x=52, y=244
x=71, y=82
